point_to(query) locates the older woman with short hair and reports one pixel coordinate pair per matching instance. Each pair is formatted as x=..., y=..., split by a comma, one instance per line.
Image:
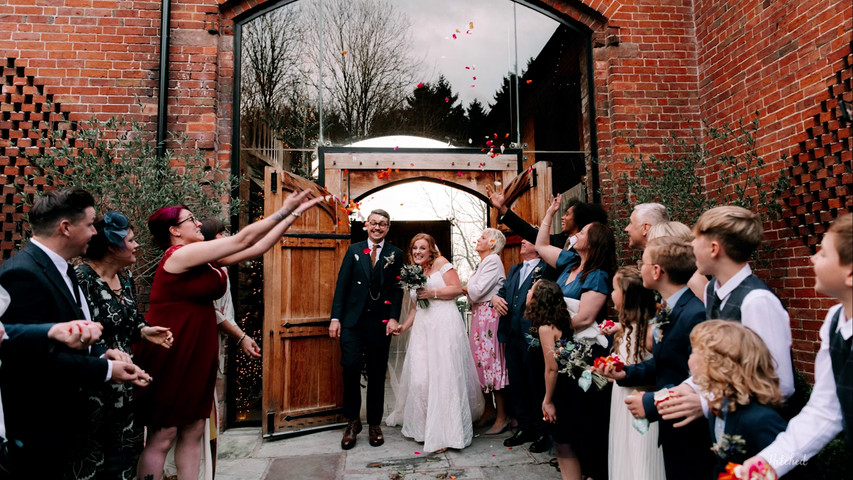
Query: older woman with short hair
x=488, y=352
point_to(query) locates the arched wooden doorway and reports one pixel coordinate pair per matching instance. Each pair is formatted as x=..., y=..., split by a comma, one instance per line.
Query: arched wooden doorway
x=301, y=371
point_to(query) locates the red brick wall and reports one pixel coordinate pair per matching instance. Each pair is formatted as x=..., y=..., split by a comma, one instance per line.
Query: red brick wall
x=663, y=64
x=791, y=63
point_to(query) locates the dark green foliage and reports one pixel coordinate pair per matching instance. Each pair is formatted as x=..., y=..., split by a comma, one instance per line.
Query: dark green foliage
x=116, y=160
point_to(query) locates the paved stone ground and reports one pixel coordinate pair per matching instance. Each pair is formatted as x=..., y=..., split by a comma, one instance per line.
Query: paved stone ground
x=243, y=455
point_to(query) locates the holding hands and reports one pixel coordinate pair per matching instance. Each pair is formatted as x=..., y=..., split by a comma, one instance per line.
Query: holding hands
x=79, y=334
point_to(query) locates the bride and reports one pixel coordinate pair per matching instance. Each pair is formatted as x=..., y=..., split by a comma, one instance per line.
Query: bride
x=438, y=396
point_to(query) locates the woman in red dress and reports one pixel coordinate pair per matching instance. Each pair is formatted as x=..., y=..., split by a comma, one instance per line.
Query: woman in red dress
x=186, y=283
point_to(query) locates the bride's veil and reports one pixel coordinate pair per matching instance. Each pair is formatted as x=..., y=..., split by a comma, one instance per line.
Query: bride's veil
x=397, y=352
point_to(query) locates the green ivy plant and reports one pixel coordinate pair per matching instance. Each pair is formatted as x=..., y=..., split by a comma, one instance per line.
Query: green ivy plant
x=116, y=161
x=673, y=178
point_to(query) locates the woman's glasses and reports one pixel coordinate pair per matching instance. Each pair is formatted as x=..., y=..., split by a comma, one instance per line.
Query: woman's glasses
x=188, y=219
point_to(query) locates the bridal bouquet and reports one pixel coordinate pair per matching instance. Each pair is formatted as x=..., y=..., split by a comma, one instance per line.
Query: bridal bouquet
x=412, y=278
x=572, y=357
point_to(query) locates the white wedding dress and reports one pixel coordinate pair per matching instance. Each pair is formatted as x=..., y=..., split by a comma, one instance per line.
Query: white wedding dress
x=438, y=396
x=632, y=455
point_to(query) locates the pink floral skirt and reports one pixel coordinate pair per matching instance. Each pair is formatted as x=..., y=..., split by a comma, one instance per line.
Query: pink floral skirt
x=488, y=352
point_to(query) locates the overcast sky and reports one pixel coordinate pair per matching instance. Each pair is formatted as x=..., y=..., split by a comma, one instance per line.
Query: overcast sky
x=489, y=48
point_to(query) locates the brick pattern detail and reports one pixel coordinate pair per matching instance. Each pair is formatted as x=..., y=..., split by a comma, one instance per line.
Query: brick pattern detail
x=25, y=112
x=823, y=173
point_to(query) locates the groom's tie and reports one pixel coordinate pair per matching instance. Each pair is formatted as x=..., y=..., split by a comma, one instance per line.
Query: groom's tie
x=373, y=254
x=74, y=285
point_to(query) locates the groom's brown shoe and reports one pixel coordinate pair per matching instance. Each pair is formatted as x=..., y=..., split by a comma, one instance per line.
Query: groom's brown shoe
x=353, y=428
x=376, y=438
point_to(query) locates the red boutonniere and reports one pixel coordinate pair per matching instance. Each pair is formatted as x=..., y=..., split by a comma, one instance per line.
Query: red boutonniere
x=366, y=251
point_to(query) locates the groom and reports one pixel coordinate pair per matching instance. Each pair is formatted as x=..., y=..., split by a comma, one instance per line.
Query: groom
x=364, y=313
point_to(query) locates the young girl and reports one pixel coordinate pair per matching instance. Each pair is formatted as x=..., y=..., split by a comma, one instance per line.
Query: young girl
x=562, y=405
x=632, y=455
x=734, y=367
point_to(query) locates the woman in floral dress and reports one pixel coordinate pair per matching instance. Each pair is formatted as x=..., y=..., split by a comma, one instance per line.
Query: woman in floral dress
x=113, y=440
x=488, y=352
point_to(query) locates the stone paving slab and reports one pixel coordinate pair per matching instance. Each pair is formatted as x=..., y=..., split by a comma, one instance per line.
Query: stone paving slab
x=245, y=456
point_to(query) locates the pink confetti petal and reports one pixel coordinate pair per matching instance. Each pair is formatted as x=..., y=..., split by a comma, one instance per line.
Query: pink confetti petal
x=421, y=85
x=446, y=99
x=454, y=36
x=395, y=148
x=417, y=453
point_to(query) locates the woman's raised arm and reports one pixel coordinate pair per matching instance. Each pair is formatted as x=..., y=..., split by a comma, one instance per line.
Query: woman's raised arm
x=199, y=253
x=548, y=252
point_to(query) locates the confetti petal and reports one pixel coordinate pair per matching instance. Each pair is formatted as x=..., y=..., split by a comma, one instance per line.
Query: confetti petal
x=395, y=148
x=384, y=321
x=387, y=302
x=446, y=99
x=417, y=453
x=530, y=81
x=475, y=78
x=344, y=52
x=470, y=24
x=421, y=85
x=454, y=36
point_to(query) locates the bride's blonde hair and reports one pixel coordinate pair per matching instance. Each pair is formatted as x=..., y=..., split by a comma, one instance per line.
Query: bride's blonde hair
x=433, y=249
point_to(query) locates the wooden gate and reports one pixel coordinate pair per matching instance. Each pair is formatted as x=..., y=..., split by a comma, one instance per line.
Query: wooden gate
x=302, y=386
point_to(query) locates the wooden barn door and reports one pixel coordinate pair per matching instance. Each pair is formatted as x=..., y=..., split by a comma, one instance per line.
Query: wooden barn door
x=301, y=365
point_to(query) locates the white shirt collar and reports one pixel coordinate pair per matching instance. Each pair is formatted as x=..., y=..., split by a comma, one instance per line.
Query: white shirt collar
x=381, y=244
x=61, y=263
x=723, y=291
x=671, y=301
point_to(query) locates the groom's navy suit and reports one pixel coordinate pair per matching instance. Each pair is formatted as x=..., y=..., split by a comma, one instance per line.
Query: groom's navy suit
x=523, y=362
x=686, y=450
x=42, y=400
x=364, y=297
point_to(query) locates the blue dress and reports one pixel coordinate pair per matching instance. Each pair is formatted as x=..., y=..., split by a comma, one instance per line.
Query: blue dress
x=596, y=280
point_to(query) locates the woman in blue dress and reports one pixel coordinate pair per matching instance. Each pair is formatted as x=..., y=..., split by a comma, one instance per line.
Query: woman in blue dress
x=585, y=275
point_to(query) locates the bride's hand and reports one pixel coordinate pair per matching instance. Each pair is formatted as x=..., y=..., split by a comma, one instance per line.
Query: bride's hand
x=424, y=293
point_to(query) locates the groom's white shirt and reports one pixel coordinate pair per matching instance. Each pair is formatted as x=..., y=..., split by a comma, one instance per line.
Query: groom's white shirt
x=370, y=245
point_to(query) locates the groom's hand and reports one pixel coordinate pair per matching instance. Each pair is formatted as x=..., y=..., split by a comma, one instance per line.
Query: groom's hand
x=335, y=329
x=392, y=327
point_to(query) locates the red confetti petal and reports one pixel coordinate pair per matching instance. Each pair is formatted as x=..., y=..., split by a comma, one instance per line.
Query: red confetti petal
x=411, y=164
x=454, y=36
x=384, y=321
x=417, y=453
x=344, y=52
x=421, y=85
x=446, y=99
x=475, y=78
x=395, y=148
x=387, y=302
x=467, y=68
x=530, y=81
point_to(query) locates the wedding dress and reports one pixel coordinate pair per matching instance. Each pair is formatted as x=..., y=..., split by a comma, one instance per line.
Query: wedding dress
x=438, y=395
x=633, y=456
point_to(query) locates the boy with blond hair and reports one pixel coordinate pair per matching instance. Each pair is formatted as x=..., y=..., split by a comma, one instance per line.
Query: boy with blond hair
x=726, y=237
x=830, y=407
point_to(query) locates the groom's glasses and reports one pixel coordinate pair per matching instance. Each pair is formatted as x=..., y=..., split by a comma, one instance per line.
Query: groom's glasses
x=378, y=224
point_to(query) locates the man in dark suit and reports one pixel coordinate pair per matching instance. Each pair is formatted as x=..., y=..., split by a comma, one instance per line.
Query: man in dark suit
x=523, y=361
x=43, y=289
x=365, y=311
